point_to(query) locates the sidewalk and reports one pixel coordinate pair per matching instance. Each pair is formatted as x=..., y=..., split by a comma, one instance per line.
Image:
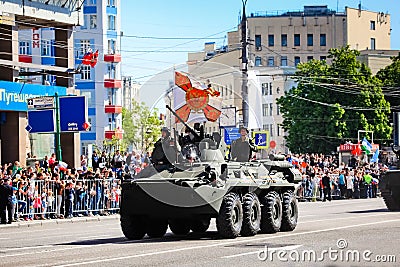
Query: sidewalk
x=35, y=223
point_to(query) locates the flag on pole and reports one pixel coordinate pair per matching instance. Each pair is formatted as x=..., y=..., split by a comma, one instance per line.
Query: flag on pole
x=375, y=156
x=90, y=58
x=366, y=146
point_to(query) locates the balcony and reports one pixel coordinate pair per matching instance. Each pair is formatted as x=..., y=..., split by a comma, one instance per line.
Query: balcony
x=113, y=109
x=25, y=58
x=113, y=133
x=112, y=83
x=112, y=58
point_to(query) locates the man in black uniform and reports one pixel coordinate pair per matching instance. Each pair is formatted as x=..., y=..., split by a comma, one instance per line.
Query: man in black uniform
x=242, y=148
x=164, y=152
x=326, y=183
x=6, y=205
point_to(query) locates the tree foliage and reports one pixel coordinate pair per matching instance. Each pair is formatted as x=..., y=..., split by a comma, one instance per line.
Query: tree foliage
x=142, y=126
x=390, y=78
x=332, y=102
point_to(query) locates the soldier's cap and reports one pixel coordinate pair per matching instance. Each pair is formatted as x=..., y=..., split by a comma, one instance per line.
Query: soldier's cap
x=164, y=129
x=242, y=127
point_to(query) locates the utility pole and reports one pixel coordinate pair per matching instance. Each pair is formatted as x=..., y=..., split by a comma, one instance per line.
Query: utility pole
x=58, y=135
x=245, y=93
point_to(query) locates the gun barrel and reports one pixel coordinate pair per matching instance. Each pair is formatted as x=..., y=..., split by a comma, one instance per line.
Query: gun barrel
x=183, y=122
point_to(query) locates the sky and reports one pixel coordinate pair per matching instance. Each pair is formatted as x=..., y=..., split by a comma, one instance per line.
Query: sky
x=158, y=34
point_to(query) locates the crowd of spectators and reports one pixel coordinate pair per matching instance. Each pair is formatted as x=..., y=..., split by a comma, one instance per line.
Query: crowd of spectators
x=48, y=189
x=324, y=178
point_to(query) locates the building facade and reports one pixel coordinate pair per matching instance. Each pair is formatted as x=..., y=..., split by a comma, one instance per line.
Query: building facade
x=280, y=42
x=130, y=92
x=25, y=74
x=101, y=30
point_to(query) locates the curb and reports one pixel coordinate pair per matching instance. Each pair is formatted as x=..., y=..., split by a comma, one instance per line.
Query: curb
x=39, y=223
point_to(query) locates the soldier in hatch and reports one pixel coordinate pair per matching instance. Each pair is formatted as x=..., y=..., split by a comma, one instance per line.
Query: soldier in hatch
x=242, y=148
x=164, y=152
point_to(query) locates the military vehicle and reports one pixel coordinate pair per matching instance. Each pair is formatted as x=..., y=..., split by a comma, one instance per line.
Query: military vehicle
x=246, y=198
x=389, y=185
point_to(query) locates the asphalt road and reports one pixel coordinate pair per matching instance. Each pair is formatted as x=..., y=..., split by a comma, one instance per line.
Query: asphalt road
x=338, y=233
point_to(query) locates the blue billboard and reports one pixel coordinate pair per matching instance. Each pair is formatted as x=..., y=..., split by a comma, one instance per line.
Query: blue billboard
x=231, y=134
x=41, y=121
x=73, y=113
x=14, y=96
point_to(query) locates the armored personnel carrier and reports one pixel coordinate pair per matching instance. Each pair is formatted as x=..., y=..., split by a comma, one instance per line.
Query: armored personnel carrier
x=246, y=198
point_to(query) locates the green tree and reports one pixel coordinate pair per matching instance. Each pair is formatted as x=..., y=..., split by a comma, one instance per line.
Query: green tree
x=390, y=78
x=332, y=102
x=142, y=126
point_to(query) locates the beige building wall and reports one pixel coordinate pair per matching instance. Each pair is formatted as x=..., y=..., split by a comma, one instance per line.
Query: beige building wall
x=377, y=59
x=363, y=26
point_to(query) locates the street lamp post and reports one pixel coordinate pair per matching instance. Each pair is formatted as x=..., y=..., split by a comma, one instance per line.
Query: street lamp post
x=245, y=95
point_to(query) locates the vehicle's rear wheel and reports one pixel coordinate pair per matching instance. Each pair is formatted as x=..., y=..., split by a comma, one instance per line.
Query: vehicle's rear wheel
x=156, y=227
x=230, y=217
x=179, y=226
x=271, y=213
x=133, y=227
x=251, y=215
x=200, y=225
x=290, y=212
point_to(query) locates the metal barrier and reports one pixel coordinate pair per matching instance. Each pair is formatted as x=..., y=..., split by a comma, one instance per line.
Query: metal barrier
x=44, y=199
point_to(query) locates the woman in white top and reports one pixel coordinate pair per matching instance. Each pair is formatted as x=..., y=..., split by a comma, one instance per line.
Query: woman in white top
x=350, y=183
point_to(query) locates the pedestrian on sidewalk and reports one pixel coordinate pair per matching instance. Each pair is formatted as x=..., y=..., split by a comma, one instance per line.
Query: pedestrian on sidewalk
x=6, y=205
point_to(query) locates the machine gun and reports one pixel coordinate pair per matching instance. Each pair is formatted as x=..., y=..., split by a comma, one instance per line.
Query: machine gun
x=197, y=136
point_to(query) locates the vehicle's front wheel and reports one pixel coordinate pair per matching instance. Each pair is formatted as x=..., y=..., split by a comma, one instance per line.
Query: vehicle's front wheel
x=200, y=225
x=133, y=227
x=179, y=226
x=156, y=227
x=230, y=217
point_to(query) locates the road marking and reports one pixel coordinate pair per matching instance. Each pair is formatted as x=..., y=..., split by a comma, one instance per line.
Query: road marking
x=347, y=218
x=255, y=252
x=24, y=248
x=245, y=240
x=39, y=252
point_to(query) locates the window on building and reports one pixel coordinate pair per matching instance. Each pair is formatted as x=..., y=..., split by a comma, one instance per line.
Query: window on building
x=46, y=47
x=271, y=40
x=322, y=58
x=278, y=131
x=270, y=88
x=277, y=110
x=271, y=130
x=265, y=126
x=258, y=42
x=310, y=39
x=265, y=110
x=111, y=46
x=296, y=61
x=111, y=3
x=372, y=25
x=284, y=61
x=93, y=21
x=24, y=48
x=271, y=62
x=84, y=46
x=111, y=71
x=322, y=39
x=111, y=22
x=296, y=39
x=309, y=58
x=85, y=72
x=284, y=40
x=89, y=96
x=373, y=44
x=264, y=88
x=258, y=61
x=278, y=90
x=271, y=109
x=90, y=2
